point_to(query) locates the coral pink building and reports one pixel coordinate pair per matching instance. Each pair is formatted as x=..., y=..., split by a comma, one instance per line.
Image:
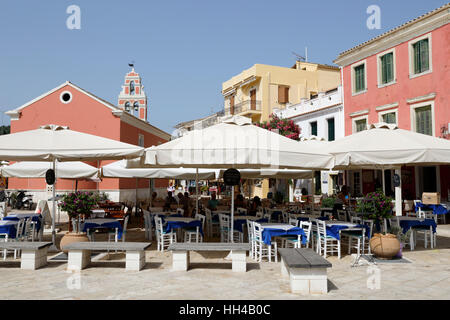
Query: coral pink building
x=80, y=110
x=402, y=77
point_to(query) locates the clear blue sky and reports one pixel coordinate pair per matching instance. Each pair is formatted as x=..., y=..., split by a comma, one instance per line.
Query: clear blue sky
x=183, y=49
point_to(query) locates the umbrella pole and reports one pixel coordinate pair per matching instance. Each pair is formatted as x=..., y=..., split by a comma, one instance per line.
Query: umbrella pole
x=232, y=214
x=384, y=181
x=136, y=208
x=53, y=247
x=196, y=191
x=398, y=193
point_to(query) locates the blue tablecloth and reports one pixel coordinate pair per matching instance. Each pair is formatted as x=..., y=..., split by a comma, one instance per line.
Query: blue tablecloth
x=34, y=219
x=437, y=208
x=180, y=224
x=333, y=230
x=239, y=223
x=407, y=224
x=107, y=225
x=268, y=233
x=9, y=229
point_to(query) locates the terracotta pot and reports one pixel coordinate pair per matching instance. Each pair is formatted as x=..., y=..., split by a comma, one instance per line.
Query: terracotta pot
x=384, y=246
x=71, y=237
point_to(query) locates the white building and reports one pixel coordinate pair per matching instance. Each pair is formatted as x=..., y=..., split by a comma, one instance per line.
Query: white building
x=321, y=116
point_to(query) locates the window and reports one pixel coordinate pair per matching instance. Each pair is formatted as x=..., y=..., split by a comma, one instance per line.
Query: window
x=387, y=68
x=424, y=122
x=360, y=125
x=132, y=87
x=283, y=94
x=330, y=129
x=421, y=59
x=141, y=140
x=232, y=105
x=389, y=117
x=420, y=56
x=65, y=97
x=127, y=106
x=313, y=128
x=359, y=77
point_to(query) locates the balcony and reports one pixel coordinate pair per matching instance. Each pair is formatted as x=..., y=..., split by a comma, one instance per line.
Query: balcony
x=245, y=107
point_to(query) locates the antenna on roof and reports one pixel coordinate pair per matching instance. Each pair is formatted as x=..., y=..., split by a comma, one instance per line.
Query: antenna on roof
x=299, y=57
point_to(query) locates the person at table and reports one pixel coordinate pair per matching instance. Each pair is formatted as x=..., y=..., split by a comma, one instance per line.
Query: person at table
x=239, y=202
x=184, y=202
x=169, y=200
x=256, y=203
x=213, y=202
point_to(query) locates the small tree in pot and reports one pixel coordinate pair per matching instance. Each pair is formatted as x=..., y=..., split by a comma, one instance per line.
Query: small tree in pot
x=377, y=206
x=76, y=204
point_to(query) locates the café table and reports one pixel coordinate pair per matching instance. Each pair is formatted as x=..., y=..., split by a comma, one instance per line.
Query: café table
x=9, y=227
x=240, y=221
x=16, y=216
x=407, y=223
x=103, y=223
x=270, y=230
x=182, y=223
x=438, y=209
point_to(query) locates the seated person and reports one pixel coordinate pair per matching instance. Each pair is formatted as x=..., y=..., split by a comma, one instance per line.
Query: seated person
x=184, y=201
x=256, y=203
x=169, y=200
x=213, y=202
x=239, y=202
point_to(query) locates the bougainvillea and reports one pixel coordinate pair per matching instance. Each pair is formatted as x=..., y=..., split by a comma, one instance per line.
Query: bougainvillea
x=77, y=203
x=285, y=127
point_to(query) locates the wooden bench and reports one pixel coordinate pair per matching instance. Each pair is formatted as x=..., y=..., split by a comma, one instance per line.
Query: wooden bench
x=180, y=253
x=34, y=254
x=80, y=253
x=306, y=269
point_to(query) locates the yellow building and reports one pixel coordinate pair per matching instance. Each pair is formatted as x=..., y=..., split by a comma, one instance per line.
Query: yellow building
x=255, y=92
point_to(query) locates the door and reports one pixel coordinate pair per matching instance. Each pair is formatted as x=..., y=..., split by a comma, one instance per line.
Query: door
x=429, y=179
x=253, y=99
x=232, y=105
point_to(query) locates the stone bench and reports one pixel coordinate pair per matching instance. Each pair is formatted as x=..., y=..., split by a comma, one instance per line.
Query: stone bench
x=306, y=269
x=80, y=253
x=180, y=253
x=34, y=254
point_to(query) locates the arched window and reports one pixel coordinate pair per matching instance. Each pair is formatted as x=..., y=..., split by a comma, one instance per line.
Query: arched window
x=131, y=87
x=127, y=106
x=136, y=106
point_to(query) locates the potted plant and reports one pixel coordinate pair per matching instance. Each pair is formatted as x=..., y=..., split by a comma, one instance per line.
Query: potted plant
x=328, y=202
x=377, y=206
x=76, y=204
x=402, y=237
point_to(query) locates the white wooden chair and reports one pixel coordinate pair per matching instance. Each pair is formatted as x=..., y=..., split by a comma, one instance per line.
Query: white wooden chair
x=4, y=237
x=241, y=211
x=115, y=233
x=341, y=215
x=225, y=227
x=426, y=232
x=2, y=209
x=148, y=224
x=164, y=238
x=262, y=250
x=285, y=216
x=194, y=233
x=212, y=227
x=251, y=238
x=327, y=244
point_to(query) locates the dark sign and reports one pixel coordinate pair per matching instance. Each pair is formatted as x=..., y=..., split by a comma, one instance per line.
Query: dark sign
x=396, y=180
x=50, y=176
x=232, y=177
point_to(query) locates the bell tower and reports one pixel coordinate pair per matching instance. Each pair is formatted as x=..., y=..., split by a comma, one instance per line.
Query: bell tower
x=132, y=98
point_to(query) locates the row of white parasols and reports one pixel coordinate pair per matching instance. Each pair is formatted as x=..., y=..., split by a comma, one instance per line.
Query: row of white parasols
x=233, y=143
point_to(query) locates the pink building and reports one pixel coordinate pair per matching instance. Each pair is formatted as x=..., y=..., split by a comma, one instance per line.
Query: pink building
x=80, y=110
x=403, y=77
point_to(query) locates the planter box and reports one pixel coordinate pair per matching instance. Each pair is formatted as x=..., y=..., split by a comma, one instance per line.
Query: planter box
x=431, y=198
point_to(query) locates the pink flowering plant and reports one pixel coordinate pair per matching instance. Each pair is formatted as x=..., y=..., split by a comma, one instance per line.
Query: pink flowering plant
x=79, y=202
x=376, y=205
x=285, y=127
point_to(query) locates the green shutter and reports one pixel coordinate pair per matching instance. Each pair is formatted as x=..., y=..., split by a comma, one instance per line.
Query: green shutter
x=387, y=68
x=331, y=129
x=389, y=117
x=423, y=120
x=359, y=78
x=361, y=125
x=314, y=128
x=421, y=57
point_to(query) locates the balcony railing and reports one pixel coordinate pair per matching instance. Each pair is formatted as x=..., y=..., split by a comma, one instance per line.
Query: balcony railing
x=244, y=106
